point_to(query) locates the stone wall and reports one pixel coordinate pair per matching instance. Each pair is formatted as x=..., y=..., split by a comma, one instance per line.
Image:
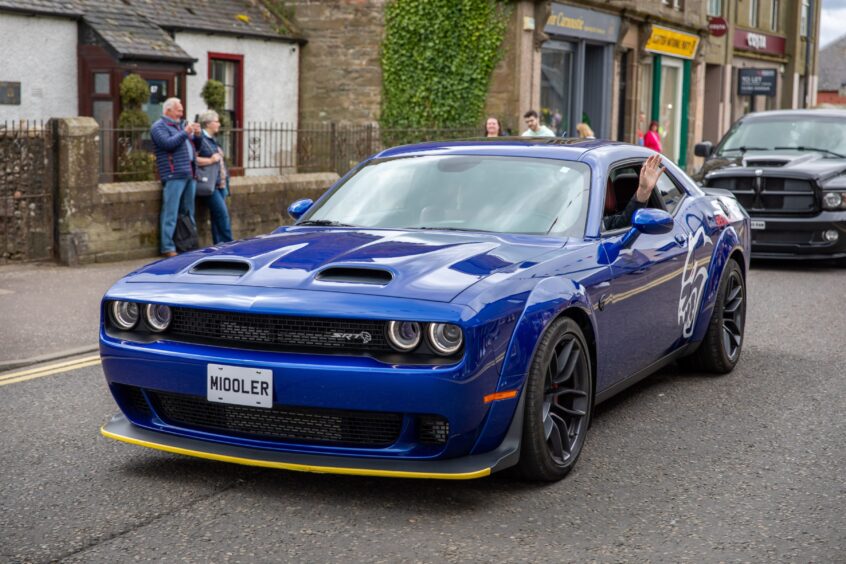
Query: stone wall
x=107, y=222
x=340, y=72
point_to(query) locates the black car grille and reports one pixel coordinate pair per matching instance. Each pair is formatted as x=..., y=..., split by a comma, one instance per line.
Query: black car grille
x=271, y=332
x=289, y=424
x=770, y=195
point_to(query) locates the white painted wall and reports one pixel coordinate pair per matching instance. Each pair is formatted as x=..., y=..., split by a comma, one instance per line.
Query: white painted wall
x=40, y=53
x=271, y=74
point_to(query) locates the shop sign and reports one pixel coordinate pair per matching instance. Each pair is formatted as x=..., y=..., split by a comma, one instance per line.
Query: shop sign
x=665, y=41
x=760, y=42
x=10, y=93
x=717, y=26
x=585, y=24
x=756, y=82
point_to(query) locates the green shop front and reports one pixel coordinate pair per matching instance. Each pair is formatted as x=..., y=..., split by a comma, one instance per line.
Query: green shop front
x=665, y=87
x=576, y=70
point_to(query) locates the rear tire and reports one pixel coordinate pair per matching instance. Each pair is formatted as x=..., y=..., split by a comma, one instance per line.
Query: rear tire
x=720, y=349
x=559, y=403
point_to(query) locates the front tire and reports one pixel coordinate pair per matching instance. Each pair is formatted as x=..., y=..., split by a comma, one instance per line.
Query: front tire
x=559, y=403
x=720, y=349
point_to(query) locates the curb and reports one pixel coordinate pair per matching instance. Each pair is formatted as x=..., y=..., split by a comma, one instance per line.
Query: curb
x=7, y=365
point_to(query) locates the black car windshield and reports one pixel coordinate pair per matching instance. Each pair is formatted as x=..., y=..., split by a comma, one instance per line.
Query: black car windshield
x=459, y=192
x=800, y=132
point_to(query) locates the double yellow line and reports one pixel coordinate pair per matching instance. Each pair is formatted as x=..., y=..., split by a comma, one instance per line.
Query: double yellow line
x=49, y=370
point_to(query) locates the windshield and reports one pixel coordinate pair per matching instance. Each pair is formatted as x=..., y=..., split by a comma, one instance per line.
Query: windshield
x=499, y=194
x=825, y=133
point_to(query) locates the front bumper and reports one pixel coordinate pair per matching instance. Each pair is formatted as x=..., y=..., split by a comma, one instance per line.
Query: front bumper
x=799, y=238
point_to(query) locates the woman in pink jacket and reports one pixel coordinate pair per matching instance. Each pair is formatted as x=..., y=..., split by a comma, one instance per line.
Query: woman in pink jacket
x=652, y=139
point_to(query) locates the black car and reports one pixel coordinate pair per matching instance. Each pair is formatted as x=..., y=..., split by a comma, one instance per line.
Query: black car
x=788, y=169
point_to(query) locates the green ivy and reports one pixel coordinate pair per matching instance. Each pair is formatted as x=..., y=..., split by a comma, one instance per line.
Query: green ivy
x=437, y=60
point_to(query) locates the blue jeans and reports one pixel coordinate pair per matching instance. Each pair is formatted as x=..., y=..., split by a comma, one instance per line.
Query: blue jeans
x=177, y=198
x=220, y=228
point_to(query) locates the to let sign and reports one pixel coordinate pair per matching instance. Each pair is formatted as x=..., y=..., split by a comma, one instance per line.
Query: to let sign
x=10, y=93
x=756, y=82
x=666, y=41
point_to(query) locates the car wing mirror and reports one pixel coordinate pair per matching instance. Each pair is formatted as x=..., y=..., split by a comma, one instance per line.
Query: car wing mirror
x=649, y=221
x=298, y=208
x=703, y=149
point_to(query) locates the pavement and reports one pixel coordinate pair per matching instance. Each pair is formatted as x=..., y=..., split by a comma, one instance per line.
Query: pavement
x=49, y=312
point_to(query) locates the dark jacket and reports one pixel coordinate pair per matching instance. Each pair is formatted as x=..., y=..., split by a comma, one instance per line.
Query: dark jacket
x=624, y=218
x=173, y=158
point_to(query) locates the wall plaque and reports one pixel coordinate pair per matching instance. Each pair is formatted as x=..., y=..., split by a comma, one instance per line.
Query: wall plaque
x=10, y=93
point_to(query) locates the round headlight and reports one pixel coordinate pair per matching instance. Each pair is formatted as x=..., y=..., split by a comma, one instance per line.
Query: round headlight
x=445, y=338
x=404, y=335
x=158, y=317
x=832, y=200
x=124, y=314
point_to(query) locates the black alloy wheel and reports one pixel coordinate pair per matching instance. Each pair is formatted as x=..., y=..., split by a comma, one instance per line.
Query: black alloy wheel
x=720, y=349
x=559, y=403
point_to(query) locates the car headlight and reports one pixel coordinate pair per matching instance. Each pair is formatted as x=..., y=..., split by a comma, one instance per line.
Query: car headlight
x=158, y=317
x=833, y=200
x=124, y=314
x=404, y=335
x=445, y=338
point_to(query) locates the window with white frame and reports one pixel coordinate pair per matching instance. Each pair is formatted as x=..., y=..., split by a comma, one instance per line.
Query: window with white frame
x=753, y=13
x=715, y=7
x=774, y=16
x=803, y=23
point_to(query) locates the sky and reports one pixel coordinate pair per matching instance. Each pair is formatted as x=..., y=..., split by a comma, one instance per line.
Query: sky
x=833, y=21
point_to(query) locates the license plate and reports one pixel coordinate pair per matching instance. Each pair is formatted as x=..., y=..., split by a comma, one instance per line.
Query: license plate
x=757, y=224
x=239, y=385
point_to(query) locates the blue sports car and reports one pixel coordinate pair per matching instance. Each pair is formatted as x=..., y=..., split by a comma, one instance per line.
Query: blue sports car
x=445, y=310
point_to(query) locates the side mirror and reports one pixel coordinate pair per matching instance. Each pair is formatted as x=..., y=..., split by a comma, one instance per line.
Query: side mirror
x=298, y=208
x=651, y=221
x=703, y=149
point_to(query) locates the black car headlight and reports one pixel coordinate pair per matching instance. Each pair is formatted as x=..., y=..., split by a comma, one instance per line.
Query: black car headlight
x=124, y=315
x=834, y=200
x=157, y=316
x=445, y=338
x=404, y=336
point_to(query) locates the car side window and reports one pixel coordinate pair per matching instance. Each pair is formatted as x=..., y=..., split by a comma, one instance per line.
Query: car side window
x=669, y=193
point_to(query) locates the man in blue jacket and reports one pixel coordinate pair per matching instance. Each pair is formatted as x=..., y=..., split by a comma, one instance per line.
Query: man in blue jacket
x=176, y=162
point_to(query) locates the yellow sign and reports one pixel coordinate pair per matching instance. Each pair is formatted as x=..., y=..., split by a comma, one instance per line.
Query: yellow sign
x=671, y=42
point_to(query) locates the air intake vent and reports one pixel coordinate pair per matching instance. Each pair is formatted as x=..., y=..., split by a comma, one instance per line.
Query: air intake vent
x=766, y=162
x=221, y=268
x=356, y=276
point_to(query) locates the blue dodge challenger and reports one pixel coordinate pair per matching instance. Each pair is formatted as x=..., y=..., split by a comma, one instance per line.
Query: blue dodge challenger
x=445, y=310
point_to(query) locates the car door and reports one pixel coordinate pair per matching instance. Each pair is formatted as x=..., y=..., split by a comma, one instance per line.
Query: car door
x=641, y=301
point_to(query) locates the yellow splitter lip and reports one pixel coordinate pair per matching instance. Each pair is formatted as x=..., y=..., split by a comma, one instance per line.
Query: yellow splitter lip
x=121, y=429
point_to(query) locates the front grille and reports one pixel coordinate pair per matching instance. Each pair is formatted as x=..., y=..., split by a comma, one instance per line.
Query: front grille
x=272, y=332
x=289, y=424
x=432, y=429
x=132, y=400
x=781, y=237
x=769, y=195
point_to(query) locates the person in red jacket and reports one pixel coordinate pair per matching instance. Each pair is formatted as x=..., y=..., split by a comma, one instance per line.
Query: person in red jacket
x=652, y=139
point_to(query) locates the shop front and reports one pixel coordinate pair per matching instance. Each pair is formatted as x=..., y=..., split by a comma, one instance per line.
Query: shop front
x=576, y=70
x=665, y=87
x=758, y=63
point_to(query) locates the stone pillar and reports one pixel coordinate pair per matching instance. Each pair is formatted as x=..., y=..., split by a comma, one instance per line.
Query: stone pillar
x=77, y=172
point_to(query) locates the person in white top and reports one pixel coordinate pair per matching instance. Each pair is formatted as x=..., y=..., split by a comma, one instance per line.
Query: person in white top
x=535, y=127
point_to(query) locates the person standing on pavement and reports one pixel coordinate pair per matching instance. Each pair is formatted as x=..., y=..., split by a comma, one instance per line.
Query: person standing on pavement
x=652, y=139
x=535, y=127
x=209, y=153
x=175, y=141
x=493, y=128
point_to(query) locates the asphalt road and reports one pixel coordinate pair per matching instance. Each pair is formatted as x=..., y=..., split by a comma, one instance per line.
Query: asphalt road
x=682, y=467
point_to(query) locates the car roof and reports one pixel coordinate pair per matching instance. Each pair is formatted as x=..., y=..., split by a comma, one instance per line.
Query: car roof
x=570, y=149
x=822, y=112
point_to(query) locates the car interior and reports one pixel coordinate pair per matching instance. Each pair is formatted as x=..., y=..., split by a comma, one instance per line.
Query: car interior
x=621, y=187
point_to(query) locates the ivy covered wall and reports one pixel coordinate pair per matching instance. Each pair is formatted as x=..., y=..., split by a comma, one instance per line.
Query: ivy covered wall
x=437, y=59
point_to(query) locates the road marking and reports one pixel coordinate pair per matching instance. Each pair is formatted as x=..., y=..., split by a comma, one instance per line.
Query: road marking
x=49, y=370
x=6, y=292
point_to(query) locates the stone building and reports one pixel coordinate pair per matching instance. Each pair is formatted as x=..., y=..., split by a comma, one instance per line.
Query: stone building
x=617, y=64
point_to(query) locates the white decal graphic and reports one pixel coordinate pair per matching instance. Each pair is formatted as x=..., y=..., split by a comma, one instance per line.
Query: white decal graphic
x=364, y=336
x=693, y=283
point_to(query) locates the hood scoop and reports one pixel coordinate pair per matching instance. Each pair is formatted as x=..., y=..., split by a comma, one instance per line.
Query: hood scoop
x=770, y=162
x=221, y=268
x=351, y=275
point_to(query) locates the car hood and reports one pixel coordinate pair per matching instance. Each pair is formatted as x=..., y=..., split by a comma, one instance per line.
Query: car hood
x=429, y=265
x=781, y=163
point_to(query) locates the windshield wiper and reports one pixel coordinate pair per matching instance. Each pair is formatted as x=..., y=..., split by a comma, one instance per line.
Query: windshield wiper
x=804, y=148
x=329, y=222
x=743, y=149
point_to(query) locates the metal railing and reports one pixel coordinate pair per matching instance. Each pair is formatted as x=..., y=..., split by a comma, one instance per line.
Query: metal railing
x=265, y=148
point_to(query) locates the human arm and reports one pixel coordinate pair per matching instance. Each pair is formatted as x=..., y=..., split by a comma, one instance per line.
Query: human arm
x=650, y=172
x=166, y=139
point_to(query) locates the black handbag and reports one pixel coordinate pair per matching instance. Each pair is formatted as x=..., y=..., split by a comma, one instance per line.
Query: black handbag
x=185, y=236
x=207, y=177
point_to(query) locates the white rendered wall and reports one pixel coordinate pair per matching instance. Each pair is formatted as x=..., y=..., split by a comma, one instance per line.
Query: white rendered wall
x=271, y=72
x=40, y=53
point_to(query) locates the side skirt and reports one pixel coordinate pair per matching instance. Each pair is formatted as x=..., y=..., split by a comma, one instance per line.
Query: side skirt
x=641, y=374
